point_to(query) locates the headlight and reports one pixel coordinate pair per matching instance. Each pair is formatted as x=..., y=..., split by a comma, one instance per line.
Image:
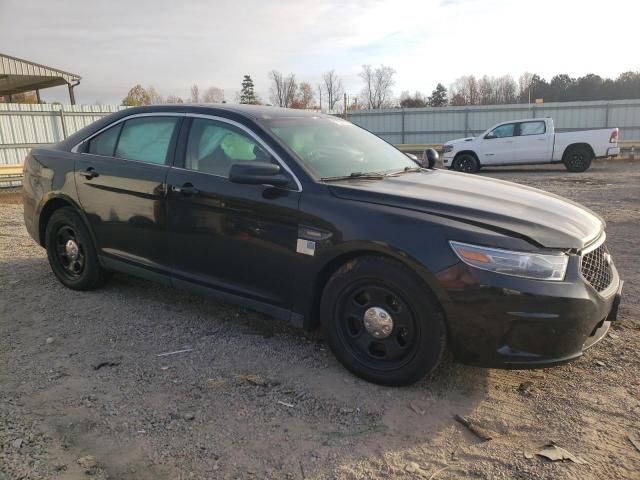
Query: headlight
x=447, y=148
x=520, y=264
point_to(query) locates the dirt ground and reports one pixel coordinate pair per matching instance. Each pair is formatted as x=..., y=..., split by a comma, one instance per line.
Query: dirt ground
x=83, y=389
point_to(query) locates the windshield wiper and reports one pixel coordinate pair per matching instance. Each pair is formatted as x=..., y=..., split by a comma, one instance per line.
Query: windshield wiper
x=362, y=175
x=372, y=175
x=404, y=170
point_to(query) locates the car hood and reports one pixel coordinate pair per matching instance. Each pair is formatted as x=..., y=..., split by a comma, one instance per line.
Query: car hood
x=544, y=218
x=458, y=141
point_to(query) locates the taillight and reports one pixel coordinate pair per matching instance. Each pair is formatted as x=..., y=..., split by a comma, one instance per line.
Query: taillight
x=614, y=137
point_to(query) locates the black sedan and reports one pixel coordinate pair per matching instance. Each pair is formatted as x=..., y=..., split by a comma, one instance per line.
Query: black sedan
x=315, y=221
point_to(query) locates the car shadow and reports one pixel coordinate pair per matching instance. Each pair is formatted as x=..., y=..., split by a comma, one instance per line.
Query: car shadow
x=243, y=372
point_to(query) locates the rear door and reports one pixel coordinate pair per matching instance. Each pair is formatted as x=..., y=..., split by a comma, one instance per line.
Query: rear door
x=533, y=143
x=498, y=146
x=120, y=179
x=238, y=239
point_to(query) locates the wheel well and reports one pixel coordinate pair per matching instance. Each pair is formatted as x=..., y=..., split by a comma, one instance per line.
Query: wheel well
x=50, y=207
x=578, y=145
x=470, y=152
x=332, y=267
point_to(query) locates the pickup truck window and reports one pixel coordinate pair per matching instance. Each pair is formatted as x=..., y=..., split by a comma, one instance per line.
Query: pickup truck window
x=505, y=130
x=532, y=128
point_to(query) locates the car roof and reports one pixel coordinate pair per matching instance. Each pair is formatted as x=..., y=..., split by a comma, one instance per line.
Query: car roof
x=255, y=112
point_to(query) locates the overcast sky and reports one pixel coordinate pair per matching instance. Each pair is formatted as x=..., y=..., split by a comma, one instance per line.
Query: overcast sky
x=114, y=44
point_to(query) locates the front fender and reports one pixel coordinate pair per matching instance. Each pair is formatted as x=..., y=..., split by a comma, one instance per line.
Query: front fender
x=329, y=260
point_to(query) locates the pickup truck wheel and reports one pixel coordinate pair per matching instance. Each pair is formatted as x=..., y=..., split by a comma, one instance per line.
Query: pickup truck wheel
x=71, y=252
x=577, y=159
x=381, y=322
x=466, y=163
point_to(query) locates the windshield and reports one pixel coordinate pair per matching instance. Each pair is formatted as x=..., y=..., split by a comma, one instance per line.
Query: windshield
x=331, y=147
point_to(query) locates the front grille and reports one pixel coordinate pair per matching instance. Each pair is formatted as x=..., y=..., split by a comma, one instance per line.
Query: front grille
x=596, y=268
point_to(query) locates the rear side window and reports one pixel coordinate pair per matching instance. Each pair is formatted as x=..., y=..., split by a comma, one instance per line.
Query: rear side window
x=146, y=139
x=105, y=142
x=532, y=128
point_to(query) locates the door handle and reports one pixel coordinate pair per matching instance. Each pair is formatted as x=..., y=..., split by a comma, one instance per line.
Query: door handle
x=187, y=189
x=90, y=173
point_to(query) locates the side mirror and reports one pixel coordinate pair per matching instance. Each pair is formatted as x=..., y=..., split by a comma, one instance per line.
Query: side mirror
x=257, y=173
x=490, y=135
x=431, y=157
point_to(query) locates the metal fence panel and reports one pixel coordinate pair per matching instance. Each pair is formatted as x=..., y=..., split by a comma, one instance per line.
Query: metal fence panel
x=437, y=125
x=23, y=126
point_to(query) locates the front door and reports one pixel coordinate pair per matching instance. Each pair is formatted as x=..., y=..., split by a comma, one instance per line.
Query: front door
x=235, y=238
x=499, y=146
x=120, y=178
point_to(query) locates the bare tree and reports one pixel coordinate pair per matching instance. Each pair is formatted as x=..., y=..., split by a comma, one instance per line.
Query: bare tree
x=195, y=94
x=304, y=97
x=332, y=86
x=283, y=89
x=505, y=90
x=377, y=86
x=486, y=91
x=213, y=95
x=465, y=91
x=154, y=97
x=524, y=85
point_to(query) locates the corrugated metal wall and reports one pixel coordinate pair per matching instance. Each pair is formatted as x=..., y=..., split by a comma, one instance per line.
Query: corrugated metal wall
x=437, y=125
x=23, y=126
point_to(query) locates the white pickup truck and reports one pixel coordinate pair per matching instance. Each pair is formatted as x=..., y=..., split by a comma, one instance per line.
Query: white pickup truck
x=530, y=141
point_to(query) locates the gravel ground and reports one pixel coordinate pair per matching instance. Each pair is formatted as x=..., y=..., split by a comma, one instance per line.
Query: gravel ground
x=83, y=390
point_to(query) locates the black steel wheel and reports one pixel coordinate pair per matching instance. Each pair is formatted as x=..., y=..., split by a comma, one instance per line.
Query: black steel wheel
x=577, y=159
x=71, y=252
x=466, y=163
x=381, y=321
x=376, y=325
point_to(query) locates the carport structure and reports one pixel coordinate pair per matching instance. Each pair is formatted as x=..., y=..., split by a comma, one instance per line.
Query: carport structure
x=20, y=76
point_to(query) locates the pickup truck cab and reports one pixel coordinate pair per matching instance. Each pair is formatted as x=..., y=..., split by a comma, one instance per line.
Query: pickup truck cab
x=530, y=141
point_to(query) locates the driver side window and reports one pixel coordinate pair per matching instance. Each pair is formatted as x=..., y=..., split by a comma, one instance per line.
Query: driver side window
x=213, y=147
x=503, y=131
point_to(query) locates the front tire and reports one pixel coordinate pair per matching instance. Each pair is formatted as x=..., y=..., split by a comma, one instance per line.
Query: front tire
x=577, y=159
x=466, y=163
x=71, y=252
x=382, y=322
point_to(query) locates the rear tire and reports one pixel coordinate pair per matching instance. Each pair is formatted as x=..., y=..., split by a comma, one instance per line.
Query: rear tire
x=71, y=252
x=466, y=163
x=577, y=159
x=357, y=301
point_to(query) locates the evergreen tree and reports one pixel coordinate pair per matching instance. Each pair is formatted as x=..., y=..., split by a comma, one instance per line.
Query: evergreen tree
x=247, y=95
x=438, y=97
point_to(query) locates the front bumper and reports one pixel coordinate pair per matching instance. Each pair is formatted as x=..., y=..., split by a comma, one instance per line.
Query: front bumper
x=447, y=159
x=503, y=321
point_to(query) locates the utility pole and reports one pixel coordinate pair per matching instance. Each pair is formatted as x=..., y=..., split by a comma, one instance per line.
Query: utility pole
x=345, y=106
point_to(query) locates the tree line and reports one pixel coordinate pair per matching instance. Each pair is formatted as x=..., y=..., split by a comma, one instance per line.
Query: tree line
x=286, y=91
